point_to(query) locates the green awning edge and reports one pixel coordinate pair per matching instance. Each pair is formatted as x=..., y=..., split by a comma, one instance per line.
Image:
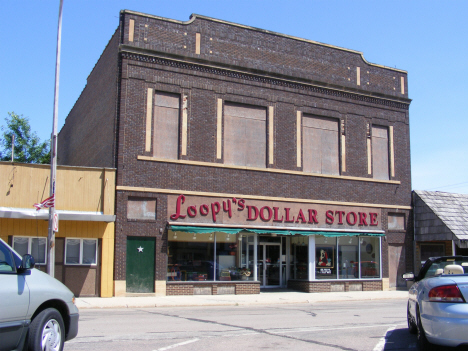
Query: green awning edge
x=207, y=230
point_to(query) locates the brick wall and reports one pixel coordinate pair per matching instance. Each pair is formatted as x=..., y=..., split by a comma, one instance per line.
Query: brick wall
x=246, y=66
x=88, y=136
x=339, y=285
x=260, y=50
x=189, y=288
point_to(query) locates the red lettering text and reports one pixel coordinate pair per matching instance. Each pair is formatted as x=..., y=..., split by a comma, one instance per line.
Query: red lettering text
x=275, y=218
x=241, y=204
x=262, y=213
x=330, y=219
x=192, y=211
x=312, y=216
x=362, y=218
x=340, y=216
x=204, y=209
x=348, y=218
x=227, y=207
x=300, y=216
x=215, y=208
x=252, y=216
x=177, y=215
x=288, y=220
x=373, y=219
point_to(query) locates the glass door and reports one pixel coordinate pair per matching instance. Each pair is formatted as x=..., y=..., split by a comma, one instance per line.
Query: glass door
x=269, y=265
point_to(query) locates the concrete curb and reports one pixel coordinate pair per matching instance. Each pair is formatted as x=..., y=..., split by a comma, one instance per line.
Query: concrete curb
x=264, y=298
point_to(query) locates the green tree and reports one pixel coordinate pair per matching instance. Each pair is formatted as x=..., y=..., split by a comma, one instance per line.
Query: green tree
x=28, y=147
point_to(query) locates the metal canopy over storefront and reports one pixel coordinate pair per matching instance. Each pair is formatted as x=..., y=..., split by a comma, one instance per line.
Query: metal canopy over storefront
x=206, y=230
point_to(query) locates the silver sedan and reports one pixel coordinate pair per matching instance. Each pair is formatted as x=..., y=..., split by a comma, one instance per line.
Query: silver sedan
x=437, y=308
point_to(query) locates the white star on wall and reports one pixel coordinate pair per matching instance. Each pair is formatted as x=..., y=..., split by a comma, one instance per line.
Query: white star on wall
x=140, y=249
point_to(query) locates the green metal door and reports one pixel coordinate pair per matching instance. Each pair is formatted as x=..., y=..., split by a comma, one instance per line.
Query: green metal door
x=140, y=264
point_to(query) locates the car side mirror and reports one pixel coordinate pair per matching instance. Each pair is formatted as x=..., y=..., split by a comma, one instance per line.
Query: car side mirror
x=27, y=262
x=408, y=276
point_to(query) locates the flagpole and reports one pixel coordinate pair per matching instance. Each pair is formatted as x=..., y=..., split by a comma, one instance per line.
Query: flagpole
x=53, y=154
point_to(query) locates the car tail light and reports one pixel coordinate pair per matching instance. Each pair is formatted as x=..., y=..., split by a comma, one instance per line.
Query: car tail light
x=446, y=293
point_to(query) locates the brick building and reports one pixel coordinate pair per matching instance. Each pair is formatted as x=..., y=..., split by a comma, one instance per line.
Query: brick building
x=246, y=159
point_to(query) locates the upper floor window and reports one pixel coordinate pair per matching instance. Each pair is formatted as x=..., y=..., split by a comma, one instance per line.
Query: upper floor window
x=380, y=162
x=245, y=135
x=37, y=247
x=320, y=145
x=166, y=125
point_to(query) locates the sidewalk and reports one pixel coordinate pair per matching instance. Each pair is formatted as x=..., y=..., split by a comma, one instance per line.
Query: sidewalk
x=264, y=298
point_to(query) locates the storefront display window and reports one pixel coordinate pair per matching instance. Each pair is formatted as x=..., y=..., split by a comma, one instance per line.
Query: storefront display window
x=325, y=257
x=220, y=256
x=348, y=257
x=190, y=257
x=356, y=257
x=209, y=257
x=370, y=257
x=299, y=257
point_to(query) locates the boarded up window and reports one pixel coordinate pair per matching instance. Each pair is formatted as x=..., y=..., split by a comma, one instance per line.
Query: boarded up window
x=141, y=208
x=244, y=135
x=320, y=144
x=380, y=152
x=166, y=125
x=396, y=221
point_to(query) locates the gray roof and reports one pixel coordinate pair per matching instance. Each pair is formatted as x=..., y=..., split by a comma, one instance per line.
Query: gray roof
x=451, y=209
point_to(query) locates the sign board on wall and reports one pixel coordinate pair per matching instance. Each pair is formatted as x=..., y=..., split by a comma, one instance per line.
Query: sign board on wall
x=238, y=212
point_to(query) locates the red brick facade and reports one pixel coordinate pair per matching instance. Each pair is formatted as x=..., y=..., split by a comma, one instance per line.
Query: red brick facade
x=240, y=65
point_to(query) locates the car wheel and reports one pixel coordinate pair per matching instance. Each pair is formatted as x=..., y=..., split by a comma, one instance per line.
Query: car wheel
x=423, y=343
x=47, y=331
x=412, y=327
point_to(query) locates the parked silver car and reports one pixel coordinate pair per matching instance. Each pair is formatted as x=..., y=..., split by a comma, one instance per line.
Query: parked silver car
x=37, y=312
x=437, y=308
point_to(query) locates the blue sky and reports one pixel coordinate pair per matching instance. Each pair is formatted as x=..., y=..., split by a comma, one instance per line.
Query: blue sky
x=426, y=38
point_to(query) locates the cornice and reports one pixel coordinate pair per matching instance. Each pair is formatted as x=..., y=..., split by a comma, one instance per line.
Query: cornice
x=194, y=17
x=132, y=53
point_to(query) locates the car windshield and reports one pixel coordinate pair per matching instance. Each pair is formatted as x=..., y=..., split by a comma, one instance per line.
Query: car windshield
x=440, y=266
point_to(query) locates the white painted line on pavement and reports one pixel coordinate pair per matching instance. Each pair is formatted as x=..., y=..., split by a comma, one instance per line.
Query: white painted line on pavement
x=313, y=329
x=176, y=345
x=381, y=344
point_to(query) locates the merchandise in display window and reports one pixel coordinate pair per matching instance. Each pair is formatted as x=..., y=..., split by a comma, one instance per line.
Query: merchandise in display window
x=325, y=257
x=356, y=257
x=370, y=257
x=209, y=257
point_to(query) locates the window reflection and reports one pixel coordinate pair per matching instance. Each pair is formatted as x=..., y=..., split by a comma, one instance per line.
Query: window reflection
x=299, y=257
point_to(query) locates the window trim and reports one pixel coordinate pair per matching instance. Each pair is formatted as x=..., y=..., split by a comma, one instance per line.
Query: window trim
x=81, y=252
x=30, y=245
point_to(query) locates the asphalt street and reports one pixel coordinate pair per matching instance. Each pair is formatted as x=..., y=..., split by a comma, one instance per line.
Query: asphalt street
x=358, y=325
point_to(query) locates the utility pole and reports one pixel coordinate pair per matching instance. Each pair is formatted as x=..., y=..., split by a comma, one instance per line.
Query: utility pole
x=53, y=151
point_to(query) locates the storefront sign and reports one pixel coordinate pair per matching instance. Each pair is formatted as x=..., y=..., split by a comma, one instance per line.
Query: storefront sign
x=238, y=212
